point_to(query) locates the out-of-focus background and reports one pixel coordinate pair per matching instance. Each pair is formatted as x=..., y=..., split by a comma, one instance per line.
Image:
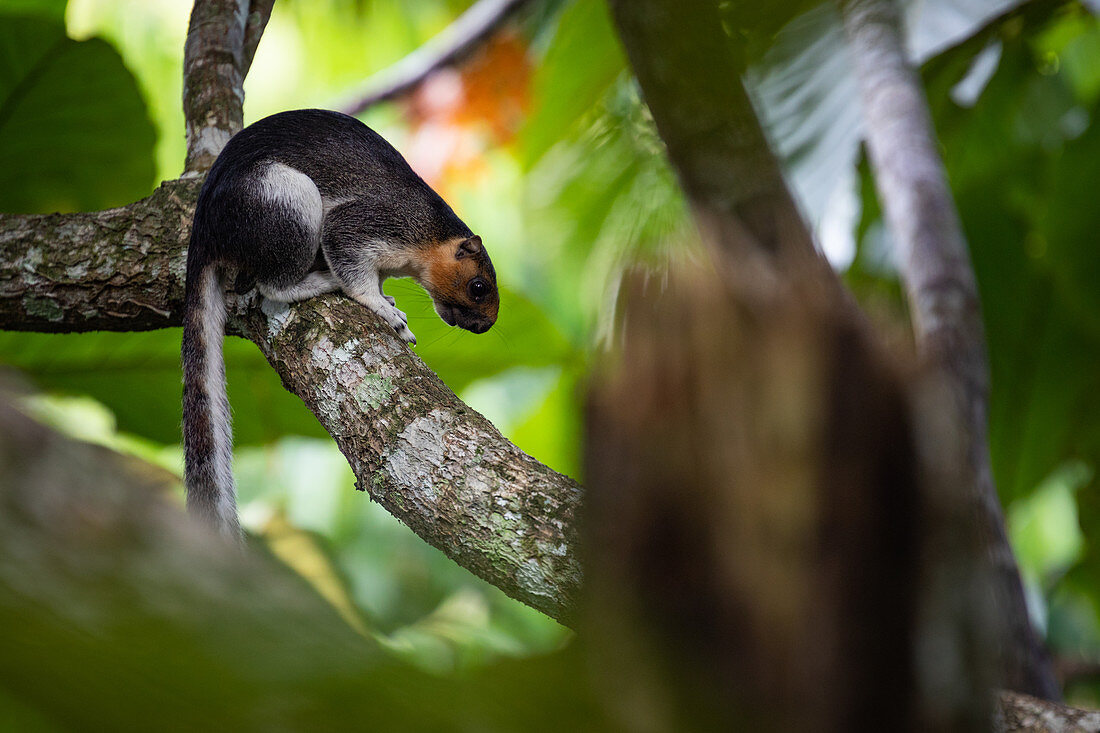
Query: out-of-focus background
x=540, y=142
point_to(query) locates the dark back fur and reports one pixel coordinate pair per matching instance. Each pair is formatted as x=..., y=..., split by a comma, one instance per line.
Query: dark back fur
x=346, y=160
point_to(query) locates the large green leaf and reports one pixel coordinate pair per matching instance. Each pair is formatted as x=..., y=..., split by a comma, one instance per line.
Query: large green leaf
x=803, y=83
x=1022, y=167
x=74, y=133
x=583, y=60
x=54, y=9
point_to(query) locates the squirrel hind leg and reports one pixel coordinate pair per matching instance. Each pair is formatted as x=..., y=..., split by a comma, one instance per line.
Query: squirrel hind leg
x=278, y=242
x=313, y=284
x=244, y=283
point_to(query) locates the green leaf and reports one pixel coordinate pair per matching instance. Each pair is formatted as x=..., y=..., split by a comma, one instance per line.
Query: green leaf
x=583, y=60
x=1021, y=184
x=1044, y=527
x=53, y=9
x=74, y=132
x=808, y=98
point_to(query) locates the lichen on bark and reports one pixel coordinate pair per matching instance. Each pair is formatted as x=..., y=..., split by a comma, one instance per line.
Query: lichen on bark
x=434, y=463
x=116, y=270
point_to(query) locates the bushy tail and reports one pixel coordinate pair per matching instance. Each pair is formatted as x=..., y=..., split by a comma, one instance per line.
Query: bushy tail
x=207, y=436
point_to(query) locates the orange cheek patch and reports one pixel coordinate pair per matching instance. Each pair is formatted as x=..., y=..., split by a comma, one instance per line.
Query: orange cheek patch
x=446, y=276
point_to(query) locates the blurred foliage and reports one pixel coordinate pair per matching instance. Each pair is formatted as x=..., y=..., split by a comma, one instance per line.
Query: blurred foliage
x=137, y=376
x=574, y=74
x=564, y=199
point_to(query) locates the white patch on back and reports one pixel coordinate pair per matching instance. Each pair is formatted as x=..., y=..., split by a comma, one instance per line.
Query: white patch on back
x=291, y=189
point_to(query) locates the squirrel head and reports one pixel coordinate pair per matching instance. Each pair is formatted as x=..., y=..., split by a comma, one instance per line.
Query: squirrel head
x=463, y=284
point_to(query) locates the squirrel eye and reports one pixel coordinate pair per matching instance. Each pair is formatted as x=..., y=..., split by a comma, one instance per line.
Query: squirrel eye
x=478, y=289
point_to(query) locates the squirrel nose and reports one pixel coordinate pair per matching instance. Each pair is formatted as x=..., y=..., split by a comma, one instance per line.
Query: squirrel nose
x=482, y=326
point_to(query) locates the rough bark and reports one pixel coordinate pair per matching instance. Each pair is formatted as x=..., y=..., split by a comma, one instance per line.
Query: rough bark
x=468, y=31
x=1018, y=713
x=434, y=463
x=115, y=270
x=942, y=292
x=213, y=77
x=414, y=446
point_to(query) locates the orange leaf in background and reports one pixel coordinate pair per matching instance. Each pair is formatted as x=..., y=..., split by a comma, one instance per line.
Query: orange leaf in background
x=497, y=86
x=455, y=113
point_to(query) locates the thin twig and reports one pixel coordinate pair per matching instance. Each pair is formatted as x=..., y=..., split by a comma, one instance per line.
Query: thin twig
x=259, y=13
x=458, y=39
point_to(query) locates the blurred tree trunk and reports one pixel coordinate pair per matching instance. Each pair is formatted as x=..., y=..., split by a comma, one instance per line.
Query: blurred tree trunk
x=116, y=614
x=689, y=69
x=761, y=533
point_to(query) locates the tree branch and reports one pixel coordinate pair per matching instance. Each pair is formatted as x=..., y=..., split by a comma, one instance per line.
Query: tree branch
x=213, y=77
x=1024, y=714
x=942, y=290
x=467, y=32
x=115, y=270
x=434, y=463
x=259, y=13
x=417, y=449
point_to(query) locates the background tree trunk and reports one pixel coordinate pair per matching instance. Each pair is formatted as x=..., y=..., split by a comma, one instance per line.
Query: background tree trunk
x=943, y=297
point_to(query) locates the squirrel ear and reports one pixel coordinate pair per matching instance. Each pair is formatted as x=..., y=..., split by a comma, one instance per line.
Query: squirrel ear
x=469, y=246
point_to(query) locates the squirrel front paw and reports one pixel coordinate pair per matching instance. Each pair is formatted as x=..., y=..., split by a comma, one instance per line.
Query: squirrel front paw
x=407, y=336
x=381, y=306
x=397, y=320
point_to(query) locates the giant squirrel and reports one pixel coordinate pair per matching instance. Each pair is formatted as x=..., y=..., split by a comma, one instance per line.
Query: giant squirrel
x=299, y=204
